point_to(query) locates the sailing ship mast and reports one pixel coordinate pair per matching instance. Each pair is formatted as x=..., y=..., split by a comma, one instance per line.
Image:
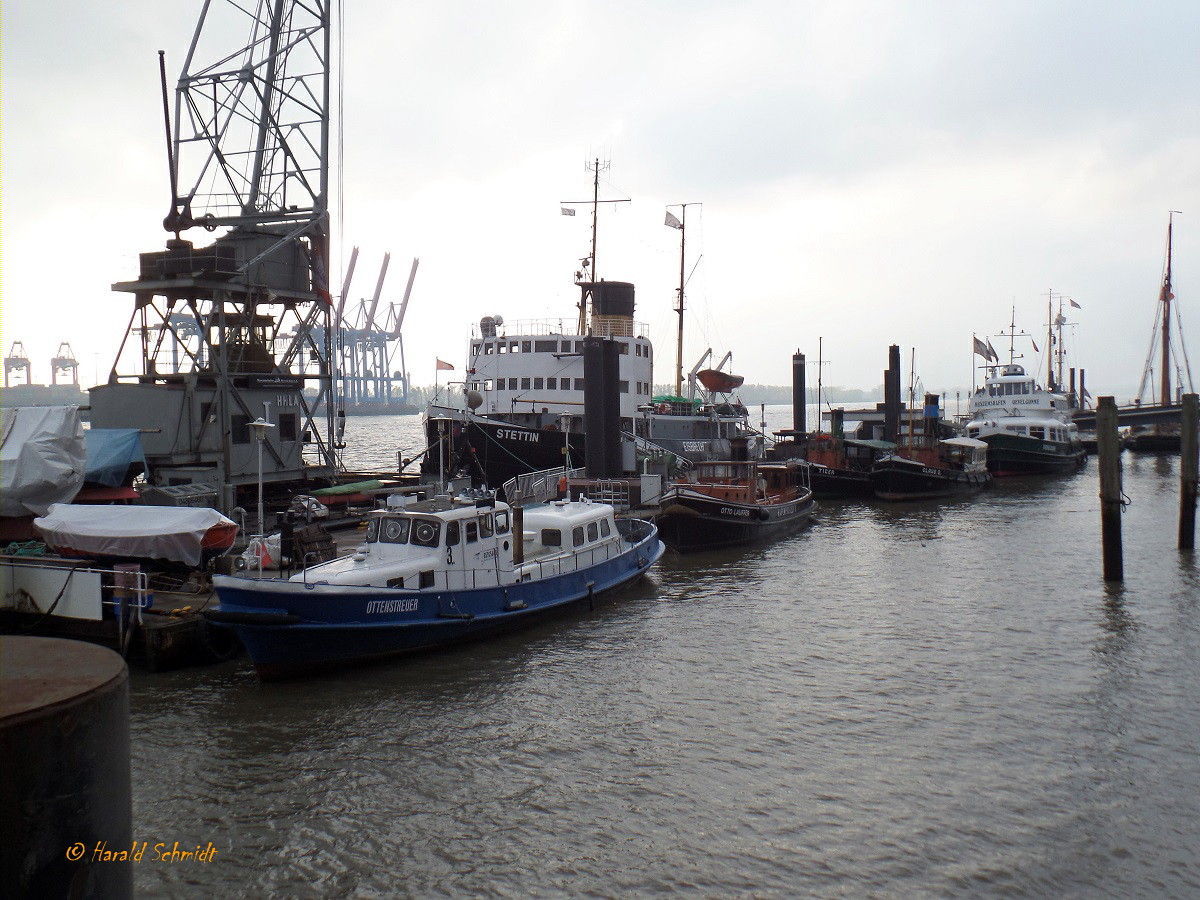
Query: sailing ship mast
x=1165, y=296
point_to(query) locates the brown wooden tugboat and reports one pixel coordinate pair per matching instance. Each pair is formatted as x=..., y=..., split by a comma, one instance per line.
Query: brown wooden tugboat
x=739, y=501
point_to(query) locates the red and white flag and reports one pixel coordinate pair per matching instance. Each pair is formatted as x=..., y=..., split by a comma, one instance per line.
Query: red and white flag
x=444, y=366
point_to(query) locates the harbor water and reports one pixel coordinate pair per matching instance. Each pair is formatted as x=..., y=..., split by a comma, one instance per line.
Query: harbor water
x=913, y=699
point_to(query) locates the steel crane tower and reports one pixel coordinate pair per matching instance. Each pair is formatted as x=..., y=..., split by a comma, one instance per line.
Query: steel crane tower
x=248, y=157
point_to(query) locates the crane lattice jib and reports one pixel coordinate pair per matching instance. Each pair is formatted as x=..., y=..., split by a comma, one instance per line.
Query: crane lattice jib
x=252, y=125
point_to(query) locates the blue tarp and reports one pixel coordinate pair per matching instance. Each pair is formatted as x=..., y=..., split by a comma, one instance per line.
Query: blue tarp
x=112, y=455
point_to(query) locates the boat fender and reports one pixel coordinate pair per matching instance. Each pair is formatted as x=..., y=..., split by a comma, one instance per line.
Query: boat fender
x=764, y=515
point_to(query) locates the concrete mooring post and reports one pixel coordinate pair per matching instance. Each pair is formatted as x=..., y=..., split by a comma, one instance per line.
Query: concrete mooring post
x=1189, y=471
x=1108, y=448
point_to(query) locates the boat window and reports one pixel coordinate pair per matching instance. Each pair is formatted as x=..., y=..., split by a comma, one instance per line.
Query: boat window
x=973, y=432
x=394, y=531
x=538, y=384
x=512, y=384
x=425, y=532
x=593, y=531
x=991, y=390
x=475, y=349
x=451, y=534
x=526, y=346
x=514, y=347
x=604, y=529
x=472, y=532
x=426, y=579
x=502, y=522
x=485, y=525
x=577, y=536
x=372, y=531
x=524, y=384
x=579, y=384
x=551, y=384
x=1037, y=431
x=545, y=346
x=566, y=346
x=623, y=387
x=551, y=537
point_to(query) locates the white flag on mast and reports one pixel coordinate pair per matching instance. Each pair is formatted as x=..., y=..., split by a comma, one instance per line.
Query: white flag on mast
x=672, y=221
x=567, y=211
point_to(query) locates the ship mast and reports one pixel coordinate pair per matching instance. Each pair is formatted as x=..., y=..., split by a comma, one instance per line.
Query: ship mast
x=595, y=168
x=1165, y=296
x=1050, y=341
x=681, y=225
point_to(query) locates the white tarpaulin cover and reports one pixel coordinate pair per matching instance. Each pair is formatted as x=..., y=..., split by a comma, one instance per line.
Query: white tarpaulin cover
x=154, y=532
x=42, y=458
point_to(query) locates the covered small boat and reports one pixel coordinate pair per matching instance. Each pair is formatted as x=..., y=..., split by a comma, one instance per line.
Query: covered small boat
x=431, y=574
x=182, y=535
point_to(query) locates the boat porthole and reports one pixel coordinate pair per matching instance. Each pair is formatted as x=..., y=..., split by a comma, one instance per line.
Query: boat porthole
x=506, y=545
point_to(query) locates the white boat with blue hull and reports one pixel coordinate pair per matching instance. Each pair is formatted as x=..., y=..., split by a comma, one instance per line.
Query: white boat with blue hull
x=432, y=574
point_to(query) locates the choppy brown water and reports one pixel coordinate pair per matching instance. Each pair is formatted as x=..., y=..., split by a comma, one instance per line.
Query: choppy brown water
x=911, y=700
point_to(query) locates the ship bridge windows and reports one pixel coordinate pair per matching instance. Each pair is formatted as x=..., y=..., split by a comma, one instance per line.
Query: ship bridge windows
x=545, y=346
x=394, y=529
x=485, y=525
x=1016, y=429
x=472, y=532
x=502, y=522
x=425, y=532
x=551, y=537
x=577, y=536
x=1037, y=431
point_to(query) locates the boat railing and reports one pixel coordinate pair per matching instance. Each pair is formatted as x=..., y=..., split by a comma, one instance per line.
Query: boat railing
x=537, y=487
x=564, y=328
x=39, y=586
x=657, y=452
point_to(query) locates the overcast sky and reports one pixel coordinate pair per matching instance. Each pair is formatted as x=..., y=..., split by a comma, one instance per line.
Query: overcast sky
x=870, y=172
